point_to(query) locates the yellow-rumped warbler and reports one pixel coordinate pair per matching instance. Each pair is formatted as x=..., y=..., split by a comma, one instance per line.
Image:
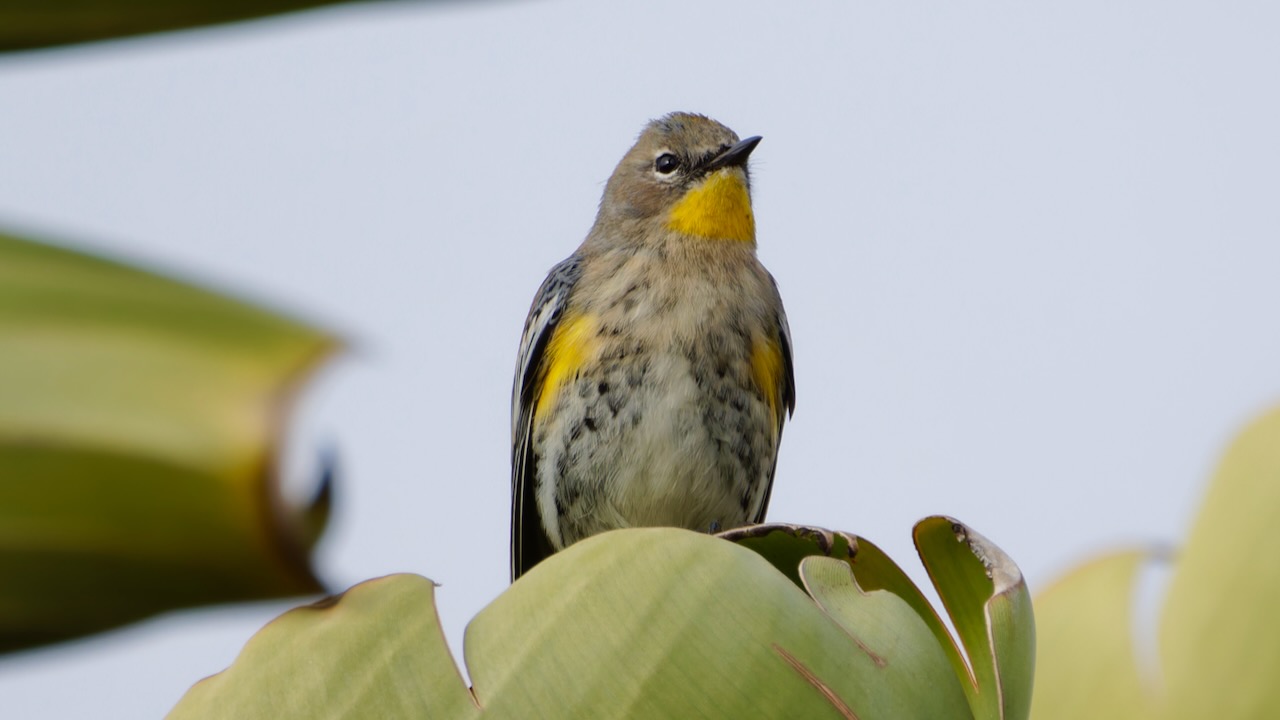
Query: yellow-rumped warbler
x=655, y=369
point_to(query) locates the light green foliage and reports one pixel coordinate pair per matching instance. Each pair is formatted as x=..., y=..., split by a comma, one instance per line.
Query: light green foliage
x=901, y=645
x=653, y=622
x=1219, y=633
x=376, y=651
x=1219, y=637
x=989, y=605
x=1086, y=663
x=140, y=419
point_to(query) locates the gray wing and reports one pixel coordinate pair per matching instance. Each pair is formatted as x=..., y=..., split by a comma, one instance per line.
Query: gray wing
x=529, y=542
x=788, y=394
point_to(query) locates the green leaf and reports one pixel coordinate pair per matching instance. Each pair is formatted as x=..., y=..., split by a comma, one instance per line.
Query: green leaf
x=990, y=607
x=140, y=421
x=638, y=623
x=874, y=570
x=785, y=545
x=1220, y=632
x=667, y=623
x=376, y=651
x=26, y=24
x=890, y=631
x=1085, y=658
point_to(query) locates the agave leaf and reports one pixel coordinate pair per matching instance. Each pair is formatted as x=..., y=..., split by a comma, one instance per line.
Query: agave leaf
x=987, y=600
x=1220, y=634
x=785, y=545
x=376, y=651
x=26, y=24
x=140, y=419
x=875, y=571
x=1085, y=659
x=1219, y=637
x=887, y=628
x=654, y=622
x=661, y=622
x=634, y=623
x=792, y=548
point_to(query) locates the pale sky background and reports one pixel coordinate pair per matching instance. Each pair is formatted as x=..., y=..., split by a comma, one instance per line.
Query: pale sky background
x=1030, y=255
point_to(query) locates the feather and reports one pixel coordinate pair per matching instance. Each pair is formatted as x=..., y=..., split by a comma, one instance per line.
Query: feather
x=529, y=541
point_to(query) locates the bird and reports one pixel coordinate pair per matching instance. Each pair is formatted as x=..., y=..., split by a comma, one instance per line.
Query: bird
x=655, y=371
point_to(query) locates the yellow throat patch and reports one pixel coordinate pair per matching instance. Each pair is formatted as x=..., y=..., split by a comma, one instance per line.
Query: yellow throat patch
x=718, y=209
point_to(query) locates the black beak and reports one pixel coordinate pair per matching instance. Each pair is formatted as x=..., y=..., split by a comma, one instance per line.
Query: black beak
x=736, y=155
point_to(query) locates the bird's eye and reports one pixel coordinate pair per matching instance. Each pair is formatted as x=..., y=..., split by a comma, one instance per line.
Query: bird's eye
x=666, y=163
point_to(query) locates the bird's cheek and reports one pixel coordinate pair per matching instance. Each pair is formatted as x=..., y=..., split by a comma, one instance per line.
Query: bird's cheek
x=642, y=200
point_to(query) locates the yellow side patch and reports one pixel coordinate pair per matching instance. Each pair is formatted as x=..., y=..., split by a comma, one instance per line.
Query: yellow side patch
x=766, y=370
x=572, y=344
x=718, y=209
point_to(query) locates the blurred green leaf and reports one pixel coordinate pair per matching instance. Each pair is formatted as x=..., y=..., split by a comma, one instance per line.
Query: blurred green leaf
x=1219, y=633
x=27, y=24
x=1085, y=656
x=140, y=423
